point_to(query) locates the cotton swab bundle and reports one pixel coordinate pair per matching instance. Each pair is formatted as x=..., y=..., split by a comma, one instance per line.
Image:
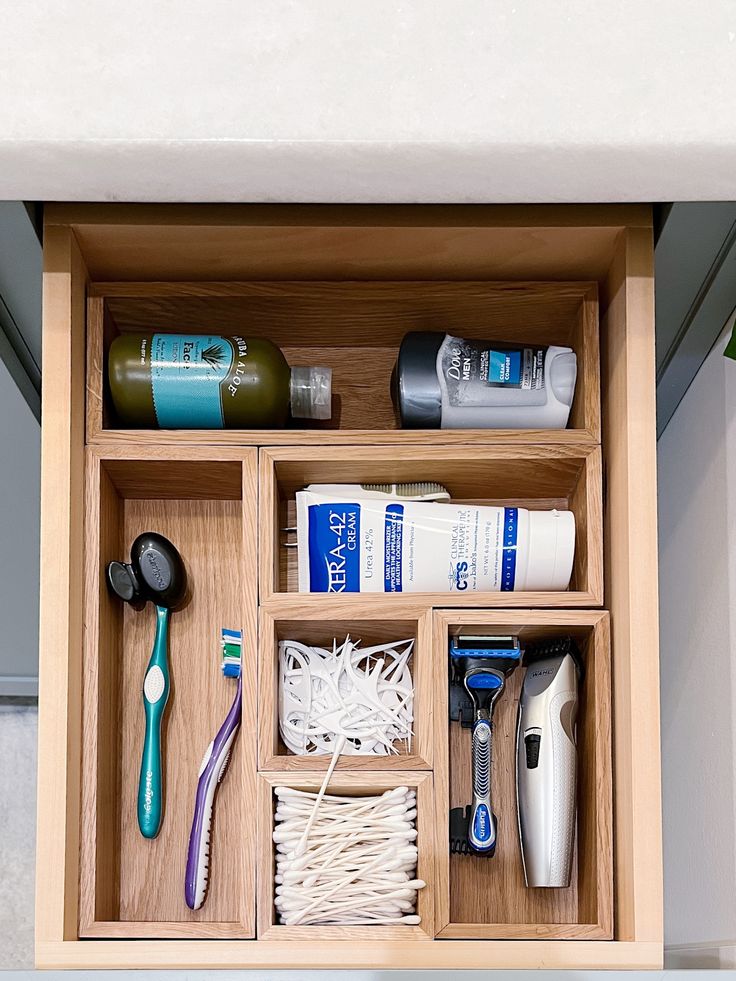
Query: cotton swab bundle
x=357, y=864
x=358, y=698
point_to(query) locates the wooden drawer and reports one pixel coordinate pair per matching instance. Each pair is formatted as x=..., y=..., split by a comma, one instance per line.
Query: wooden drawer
x=340, y=283
x=564, y=477
x=471, y=903
x=350, y=784
x=372, y=623
x=355, y=328
x=206, y=503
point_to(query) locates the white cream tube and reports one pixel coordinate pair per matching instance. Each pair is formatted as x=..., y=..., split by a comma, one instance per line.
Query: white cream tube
x=356, y=545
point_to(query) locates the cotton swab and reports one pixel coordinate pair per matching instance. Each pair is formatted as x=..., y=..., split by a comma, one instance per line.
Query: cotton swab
x=342, y=860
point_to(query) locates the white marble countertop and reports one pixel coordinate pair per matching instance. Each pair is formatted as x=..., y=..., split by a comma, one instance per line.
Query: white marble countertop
x=421, y=100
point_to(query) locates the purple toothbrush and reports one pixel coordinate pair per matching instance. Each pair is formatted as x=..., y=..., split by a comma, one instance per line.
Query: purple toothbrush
x=211, y=772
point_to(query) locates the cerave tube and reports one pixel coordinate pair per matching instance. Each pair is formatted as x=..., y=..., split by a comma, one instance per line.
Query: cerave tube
x=353, y=544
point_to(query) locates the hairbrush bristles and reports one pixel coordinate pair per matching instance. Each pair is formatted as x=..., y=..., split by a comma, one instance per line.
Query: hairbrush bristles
x=232, y=643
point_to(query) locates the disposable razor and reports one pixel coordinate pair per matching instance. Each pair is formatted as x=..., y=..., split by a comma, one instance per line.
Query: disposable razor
x=483, y=663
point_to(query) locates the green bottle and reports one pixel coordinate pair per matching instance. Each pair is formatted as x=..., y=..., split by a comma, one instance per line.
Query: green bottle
x=196, y=381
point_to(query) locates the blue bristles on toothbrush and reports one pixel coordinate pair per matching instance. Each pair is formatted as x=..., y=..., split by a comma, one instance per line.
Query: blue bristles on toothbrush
x=232, y=643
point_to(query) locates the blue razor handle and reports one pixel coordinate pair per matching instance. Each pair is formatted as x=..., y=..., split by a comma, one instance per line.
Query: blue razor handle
x=483, y=661
x=155, y=697
x=485, y=686
x=482, y=825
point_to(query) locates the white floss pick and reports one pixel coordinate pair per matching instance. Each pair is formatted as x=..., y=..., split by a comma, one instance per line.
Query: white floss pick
x=357, y=864
x=364, y=695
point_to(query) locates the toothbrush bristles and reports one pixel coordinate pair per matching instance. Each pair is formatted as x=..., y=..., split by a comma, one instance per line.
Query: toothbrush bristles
x=232, y=642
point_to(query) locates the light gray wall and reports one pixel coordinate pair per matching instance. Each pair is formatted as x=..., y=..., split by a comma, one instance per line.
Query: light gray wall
x=20, y=300
x=20, y=361
x=20, y=275
x=697, y=552
x=696, y=292
x=20, y=446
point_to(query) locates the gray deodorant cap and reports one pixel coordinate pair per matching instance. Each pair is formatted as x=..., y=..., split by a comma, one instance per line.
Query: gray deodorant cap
x=418, y=392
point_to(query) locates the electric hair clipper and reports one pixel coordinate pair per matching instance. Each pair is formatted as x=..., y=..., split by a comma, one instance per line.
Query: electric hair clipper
x=546, y=762
x=484, y=663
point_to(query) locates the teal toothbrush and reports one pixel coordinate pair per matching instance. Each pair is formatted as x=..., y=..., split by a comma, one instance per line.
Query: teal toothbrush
x=155, y=572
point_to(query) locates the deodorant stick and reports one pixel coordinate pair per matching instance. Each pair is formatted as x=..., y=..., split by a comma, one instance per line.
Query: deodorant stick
x=446, y=382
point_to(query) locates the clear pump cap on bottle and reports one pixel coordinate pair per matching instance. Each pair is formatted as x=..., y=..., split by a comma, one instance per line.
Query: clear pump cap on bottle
x=311, y=393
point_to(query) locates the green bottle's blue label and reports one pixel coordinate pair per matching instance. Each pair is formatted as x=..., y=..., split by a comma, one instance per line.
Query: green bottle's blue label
x=187, y=372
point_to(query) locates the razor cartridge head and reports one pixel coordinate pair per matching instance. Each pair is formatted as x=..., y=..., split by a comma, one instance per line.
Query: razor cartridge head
x=501, y=653
x=470, y=651
x=485, y=645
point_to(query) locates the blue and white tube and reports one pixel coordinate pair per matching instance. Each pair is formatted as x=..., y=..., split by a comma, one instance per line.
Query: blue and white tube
x=353, y=544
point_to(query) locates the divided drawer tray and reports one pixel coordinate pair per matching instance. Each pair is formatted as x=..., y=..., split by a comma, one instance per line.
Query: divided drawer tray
x=340, y=287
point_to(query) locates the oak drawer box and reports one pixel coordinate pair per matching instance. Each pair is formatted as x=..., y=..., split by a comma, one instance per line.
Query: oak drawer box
x=340, y=285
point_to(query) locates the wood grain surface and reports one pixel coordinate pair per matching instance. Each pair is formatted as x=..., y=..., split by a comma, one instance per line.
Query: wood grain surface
x=631, y=582
x=128, y=883
x=381, y=623
x=280, y=242
x=340, y=286
x=355, y=328
x=487, y=898
x=347, y=783
x=529, y=476
x=58, y=855
x=365, y=954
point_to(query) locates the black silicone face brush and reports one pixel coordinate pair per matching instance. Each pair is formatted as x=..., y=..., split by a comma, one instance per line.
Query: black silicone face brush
x=155, y=572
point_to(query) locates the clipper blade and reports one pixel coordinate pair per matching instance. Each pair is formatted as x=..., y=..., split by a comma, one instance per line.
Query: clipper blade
x=556, y=647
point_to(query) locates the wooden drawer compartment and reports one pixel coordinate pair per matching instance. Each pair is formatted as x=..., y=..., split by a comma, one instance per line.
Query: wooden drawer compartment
x=483, y=899
x=349, y=785
x=339, y=285
x=355, y=328
x=381, y=622
x=533, y=477
x=130, y=886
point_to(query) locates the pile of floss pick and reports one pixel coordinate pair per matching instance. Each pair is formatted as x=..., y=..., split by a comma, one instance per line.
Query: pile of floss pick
x=345, y=860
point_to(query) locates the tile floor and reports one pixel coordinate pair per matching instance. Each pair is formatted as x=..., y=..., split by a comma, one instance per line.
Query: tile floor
x=18, y=726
